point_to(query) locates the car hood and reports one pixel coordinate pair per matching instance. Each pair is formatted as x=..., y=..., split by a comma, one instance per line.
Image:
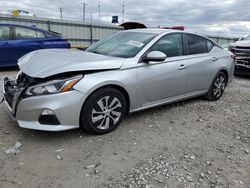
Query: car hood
x=242, y=43
x=45, y=63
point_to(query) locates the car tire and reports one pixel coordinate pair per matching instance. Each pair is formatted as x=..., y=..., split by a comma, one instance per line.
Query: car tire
x=217, y=87
x=103, y=111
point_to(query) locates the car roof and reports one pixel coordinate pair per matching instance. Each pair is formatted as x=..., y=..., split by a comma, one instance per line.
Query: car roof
x=29, y=27
x=161, y=31
x=157, y=31
x=153, y=31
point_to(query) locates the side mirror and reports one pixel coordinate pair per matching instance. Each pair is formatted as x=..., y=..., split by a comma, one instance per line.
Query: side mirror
x=155, y=56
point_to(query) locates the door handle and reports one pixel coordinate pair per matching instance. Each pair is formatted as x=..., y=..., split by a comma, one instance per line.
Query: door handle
x=182, y=67
x=6, y=44
x=215, y=58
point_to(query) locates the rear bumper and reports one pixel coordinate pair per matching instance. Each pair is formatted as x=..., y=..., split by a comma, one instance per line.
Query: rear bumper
x=242, y=69
x=28, y=111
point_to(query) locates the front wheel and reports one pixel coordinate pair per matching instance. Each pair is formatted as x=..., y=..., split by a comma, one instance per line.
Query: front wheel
x=218, y=86
x=103, y=111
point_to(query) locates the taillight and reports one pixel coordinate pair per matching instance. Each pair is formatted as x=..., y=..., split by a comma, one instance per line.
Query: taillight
x=65, y=38
x=231, y=50
x=233, y=57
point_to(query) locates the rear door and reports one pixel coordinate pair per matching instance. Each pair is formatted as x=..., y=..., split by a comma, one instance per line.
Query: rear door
x=5, y=46
x=26, y=40
x=200, y=63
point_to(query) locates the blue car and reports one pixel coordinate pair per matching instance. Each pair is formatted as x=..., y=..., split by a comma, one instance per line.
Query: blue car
x=17, y=40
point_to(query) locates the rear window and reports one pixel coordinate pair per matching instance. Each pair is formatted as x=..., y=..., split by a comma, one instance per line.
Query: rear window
x=4, y=33
x=210, y=45
x=196, y=44
x=39, y=34
x=51, y=35
x=25, y=33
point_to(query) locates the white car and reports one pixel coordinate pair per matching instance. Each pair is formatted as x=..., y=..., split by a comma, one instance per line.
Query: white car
x=241, y=49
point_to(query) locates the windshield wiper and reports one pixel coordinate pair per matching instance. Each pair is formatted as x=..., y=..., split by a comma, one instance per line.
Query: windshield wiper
x=96, y=52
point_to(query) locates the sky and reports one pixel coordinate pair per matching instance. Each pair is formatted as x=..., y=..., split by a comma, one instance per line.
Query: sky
x=210, y=17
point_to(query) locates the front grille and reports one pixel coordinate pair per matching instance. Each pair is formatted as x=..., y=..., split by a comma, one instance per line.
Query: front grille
x=9, y=99
x=12, y=93
x=9, y=92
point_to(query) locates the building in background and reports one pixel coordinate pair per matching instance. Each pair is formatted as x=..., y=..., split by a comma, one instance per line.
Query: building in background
x=81, y=34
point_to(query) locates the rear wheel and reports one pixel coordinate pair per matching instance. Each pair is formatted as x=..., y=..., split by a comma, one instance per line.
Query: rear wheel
x=103, y=111
x=218, y=87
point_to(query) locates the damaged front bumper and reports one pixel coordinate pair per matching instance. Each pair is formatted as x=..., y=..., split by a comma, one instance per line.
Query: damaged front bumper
x=55, y=112
x=11, y=94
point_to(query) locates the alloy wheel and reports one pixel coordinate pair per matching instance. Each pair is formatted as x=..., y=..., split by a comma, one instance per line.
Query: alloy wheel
x=219, y=86
x=106, y=112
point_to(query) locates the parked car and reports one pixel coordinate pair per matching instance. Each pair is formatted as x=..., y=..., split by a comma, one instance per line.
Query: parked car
x=129, y=71
x=17, y=40
x=242, y=51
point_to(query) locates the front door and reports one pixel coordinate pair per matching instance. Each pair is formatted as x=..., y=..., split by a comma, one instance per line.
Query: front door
x=163, y=80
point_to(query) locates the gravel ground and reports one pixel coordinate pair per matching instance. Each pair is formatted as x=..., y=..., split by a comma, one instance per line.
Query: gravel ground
x=190, y=144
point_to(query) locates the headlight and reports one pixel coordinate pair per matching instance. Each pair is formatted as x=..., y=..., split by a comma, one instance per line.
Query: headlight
x=52, y=87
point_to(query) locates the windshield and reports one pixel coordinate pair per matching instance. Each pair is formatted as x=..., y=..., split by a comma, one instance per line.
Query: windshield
x=247, y=38
x=122, y=44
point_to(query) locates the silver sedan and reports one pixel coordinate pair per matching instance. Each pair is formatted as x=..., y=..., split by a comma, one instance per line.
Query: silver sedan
x=61, y=89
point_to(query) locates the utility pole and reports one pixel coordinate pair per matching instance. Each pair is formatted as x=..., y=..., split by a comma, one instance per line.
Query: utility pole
x=83, y=11
x=123, y=11
x=61, y=11
x=99, y=11
x=91, y=19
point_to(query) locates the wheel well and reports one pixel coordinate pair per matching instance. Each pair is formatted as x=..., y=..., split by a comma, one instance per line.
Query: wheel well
x=122, y=90
x=226, y=73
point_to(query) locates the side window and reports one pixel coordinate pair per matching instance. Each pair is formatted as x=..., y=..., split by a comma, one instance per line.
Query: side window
x=24, y=33
x=50, y=35
x=210, y=45
x=39, y=34
x=4, y=33
x=170, y=44
x=196, y=44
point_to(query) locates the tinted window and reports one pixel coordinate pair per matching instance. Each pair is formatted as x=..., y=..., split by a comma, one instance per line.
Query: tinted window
x=51, y=35
x=210, y=45
x=4, y=33
x=196, y=44
x=24, y=33
x=171, y=45
x=39, y=34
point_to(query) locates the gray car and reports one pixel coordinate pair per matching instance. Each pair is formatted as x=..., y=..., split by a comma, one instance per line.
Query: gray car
x=61, y=89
